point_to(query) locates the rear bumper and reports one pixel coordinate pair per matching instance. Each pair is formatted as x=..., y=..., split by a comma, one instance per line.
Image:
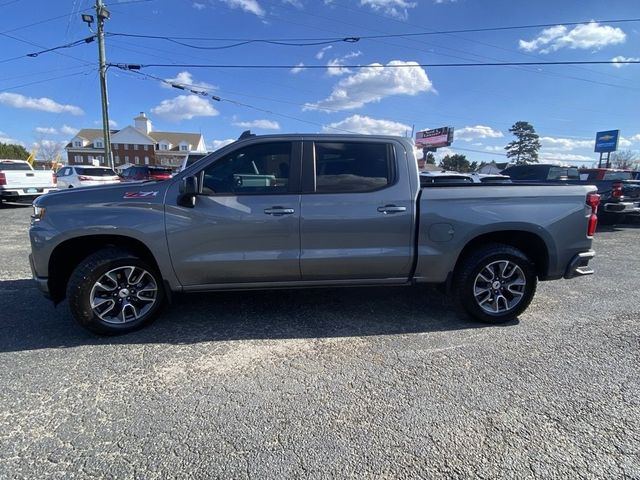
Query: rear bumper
x=627, y=208
x=41, y=282
x=579, y=265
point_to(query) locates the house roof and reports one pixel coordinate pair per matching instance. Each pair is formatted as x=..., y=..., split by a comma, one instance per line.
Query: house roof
x=175, y=138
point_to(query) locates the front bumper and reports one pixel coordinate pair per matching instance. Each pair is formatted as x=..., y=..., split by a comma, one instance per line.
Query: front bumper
x=579, y=265
x=41, y=282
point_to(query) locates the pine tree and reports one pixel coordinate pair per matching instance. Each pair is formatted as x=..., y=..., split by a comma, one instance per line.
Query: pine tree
x=525, y=148
x=13, y=152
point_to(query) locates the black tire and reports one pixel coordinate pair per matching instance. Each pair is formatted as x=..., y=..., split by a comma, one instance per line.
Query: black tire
x=469, y=285
x=113, y=262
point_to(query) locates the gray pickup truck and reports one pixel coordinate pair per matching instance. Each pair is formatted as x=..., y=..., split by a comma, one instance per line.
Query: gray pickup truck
x=305, y=211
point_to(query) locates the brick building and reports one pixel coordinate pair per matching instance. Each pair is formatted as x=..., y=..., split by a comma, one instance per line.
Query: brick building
x=134, y=145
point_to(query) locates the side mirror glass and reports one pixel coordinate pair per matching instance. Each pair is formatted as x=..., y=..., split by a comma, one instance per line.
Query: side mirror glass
x=188, y=192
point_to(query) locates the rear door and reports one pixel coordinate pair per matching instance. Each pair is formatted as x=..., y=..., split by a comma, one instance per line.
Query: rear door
x=357, y=211
x=245, y=226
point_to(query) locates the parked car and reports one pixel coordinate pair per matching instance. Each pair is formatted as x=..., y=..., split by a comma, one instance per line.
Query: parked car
x=541, y=173
x=73, y=176
x=19, y=182
x=146, y=172
x=620, y=192
x=290, y=211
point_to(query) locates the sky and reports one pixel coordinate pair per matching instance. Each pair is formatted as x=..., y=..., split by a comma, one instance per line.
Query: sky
x=48, y=97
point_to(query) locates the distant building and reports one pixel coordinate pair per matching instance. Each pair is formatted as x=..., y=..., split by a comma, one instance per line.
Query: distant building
x=134, y=145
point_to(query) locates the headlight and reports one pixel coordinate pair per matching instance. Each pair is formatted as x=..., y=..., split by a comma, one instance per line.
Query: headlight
x=38, y=213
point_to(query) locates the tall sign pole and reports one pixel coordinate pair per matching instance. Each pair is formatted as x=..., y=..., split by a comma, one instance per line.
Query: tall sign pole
x=103, y=14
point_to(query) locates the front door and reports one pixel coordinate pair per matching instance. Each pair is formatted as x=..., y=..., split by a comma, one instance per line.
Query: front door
x=244, y=227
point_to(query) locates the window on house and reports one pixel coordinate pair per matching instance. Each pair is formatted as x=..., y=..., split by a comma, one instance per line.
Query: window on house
x=99, y=144
x=146, y=147
x=136, y=160
x=117, y=159
x=164, y=146
x=126, y=159
x=135, y=146
x=115, y=146
x=126, y=146
x=77, y=158
x=146, y=160
x=77, y=144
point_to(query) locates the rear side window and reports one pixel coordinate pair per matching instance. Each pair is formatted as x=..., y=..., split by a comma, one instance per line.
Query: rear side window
x=96, y=172
x=352, y=167
x=563, y=173
x=617, y=176
x=522, y=173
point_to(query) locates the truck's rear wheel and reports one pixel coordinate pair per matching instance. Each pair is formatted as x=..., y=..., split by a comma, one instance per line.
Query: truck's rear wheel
x=113, y=292
x=496, y=283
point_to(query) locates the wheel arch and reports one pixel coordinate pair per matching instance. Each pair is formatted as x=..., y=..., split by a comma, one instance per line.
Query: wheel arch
x=531, y=244
x=67, y=256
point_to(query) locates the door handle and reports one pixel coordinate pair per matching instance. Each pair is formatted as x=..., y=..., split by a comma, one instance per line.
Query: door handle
x=391, y=209
x=278, y=211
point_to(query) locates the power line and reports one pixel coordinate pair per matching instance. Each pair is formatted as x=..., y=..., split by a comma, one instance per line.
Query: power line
x=14, y=87
x=133, y=66
x=367, y=37
x=82, y=41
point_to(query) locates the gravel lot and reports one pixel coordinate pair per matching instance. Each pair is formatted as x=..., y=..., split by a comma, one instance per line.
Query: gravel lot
x=371, y=383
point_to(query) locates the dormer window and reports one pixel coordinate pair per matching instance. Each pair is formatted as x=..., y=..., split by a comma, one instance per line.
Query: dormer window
x=184, y=148
x=77, y=143
x=98, y=144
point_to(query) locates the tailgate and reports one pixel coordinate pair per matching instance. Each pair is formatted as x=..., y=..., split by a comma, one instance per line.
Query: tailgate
x=27, y=178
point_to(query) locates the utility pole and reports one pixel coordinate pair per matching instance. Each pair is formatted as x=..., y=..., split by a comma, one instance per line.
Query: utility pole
x=103, y=14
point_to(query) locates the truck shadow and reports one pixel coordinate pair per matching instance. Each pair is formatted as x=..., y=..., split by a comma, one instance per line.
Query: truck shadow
x=30, y=322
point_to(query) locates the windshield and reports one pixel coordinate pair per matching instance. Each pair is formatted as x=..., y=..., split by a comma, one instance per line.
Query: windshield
x=617, y=176
x=96, y=172
x=14, y=166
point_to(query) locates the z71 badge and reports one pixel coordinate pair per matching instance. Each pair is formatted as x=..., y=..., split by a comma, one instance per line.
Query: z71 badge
x=140, y=194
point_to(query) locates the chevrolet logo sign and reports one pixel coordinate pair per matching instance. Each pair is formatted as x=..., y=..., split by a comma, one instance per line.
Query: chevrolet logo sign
x=606, y=138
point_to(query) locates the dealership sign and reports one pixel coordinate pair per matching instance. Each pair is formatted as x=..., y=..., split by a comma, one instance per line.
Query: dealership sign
x=438, y=137
x=607, y=141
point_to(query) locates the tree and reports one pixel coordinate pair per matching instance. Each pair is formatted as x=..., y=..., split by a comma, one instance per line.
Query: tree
x=525, y=148
x=13, y=152
x=430, y=159
x=49, y=150
x=624, y=159
x=456, y=163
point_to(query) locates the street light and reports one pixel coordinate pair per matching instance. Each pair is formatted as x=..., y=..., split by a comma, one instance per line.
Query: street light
x=88, y=19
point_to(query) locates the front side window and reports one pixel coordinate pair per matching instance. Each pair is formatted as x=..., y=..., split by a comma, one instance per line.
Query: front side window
x=256, y=169
x=350, y=167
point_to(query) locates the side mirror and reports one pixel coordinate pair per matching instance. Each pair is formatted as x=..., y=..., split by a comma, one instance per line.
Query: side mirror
x=188, y=192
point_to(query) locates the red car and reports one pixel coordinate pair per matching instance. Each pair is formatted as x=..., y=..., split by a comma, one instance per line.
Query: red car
x=137, y=174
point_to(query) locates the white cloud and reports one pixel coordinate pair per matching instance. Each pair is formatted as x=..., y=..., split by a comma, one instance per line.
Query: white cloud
x=198, y=6
x=43, y=103
x=294, y=3
x=261, y=124
x=368, y=126
x=479, y=131
x=217, y=144
x=67, y=130
x=320, y=54
x=112, y=123
x=493, y=148
x=551, y=157
x=564, y=144
x=46, y=130
x=298, y=68
x=186, y=79
x=184, y=107
x=624, y=142
x=587, y=36
x=619, y=61
x=249, y=6
x=5, y=138
x=392, y=8
x=373, y=83
x=335, y=66
x=635, y=138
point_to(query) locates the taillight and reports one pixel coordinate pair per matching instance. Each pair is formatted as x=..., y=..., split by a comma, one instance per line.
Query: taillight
x=55, y=178
x=593, y=200
x=3, y=179
x=82, y=178
x=616, y=191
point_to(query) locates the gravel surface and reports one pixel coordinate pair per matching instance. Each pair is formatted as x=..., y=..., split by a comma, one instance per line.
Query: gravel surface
x=377, y=383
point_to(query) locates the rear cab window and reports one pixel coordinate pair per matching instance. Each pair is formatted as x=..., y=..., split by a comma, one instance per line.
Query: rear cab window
x=14, y=166
x=617, y=176
x=96, y=172
x=563, y=173
x=353, y=167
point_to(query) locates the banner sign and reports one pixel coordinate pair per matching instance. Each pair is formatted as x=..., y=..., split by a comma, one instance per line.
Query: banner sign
x=607, y=141
x=438, y=137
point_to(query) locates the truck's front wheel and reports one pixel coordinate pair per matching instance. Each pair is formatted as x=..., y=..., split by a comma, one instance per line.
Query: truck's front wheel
x=496, y=283
x=112, y=291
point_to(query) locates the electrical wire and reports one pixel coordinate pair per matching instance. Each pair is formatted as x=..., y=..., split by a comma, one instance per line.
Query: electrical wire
x=82, y=41
x=14, y=87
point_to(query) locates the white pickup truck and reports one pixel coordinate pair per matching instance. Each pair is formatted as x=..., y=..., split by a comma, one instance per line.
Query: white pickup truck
x=19, y=182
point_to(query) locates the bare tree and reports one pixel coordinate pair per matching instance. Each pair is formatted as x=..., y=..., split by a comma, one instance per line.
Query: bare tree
x=624, y=159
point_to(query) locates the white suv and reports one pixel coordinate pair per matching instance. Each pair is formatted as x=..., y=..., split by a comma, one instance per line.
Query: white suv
x=76, y=176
